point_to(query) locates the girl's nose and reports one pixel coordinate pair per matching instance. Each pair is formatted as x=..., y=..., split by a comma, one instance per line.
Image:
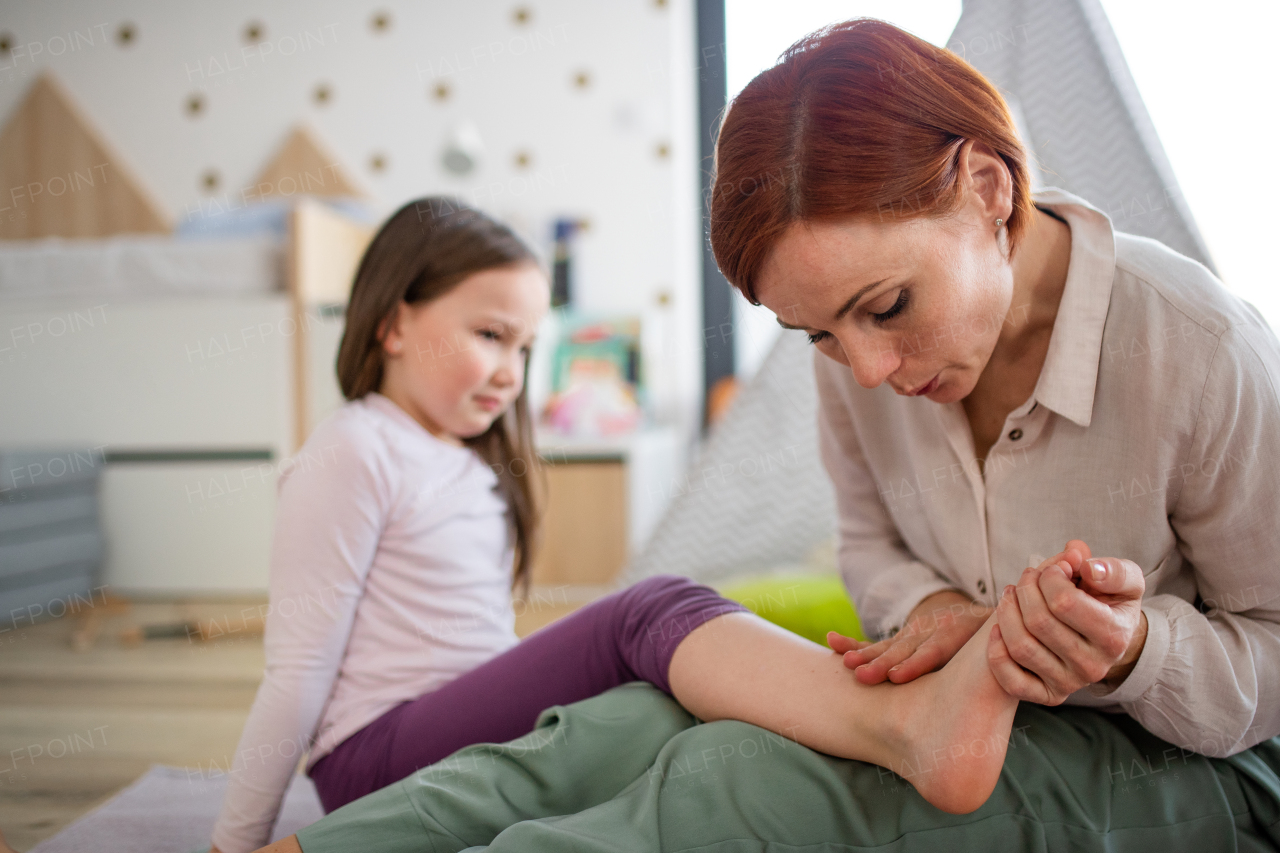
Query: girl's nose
x=506, y=375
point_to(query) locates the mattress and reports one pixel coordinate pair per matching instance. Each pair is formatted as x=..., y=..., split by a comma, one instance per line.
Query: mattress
x=141, y=266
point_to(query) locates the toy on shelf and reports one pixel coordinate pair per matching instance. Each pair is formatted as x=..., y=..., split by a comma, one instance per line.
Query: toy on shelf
x=596, y=384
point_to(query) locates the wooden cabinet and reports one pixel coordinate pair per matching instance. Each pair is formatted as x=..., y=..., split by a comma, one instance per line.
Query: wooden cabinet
x=603, y=500
x=584, y=533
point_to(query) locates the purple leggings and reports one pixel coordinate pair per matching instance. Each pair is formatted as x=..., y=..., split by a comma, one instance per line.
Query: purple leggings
x=629, y=635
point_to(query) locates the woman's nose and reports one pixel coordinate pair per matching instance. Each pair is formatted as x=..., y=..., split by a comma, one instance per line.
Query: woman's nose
x=871, y=364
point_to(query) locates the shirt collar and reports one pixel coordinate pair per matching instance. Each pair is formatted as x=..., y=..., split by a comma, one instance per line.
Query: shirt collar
x=1070, y=372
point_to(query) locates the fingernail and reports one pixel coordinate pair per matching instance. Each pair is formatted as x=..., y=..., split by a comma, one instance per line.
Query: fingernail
x=1099, y=569
x=895, y=669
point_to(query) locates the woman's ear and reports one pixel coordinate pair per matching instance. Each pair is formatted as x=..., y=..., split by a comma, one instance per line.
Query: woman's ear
x=987, y=177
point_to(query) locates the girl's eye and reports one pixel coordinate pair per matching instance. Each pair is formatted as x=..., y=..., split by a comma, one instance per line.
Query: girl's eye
x=892, y=312
x=818, y=337
x=488, y=333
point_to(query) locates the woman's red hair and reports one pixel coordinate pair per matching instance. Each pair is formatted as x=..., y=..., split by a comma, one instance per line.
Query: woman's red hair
x=856, y=119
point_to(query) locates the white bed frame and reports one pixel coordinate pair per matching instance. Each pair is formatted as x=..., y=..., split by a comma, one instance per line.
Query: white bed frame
x=196, y=400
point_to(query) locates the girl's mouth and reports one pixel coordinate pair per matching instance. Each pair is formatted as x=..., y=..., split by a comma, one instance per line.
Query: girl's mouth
x=489, y=404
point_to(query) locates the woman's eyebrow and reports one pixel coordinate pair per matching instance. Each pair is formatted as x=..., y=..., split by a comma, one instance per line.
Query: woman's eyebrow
x=844, y=309
x=848, y=306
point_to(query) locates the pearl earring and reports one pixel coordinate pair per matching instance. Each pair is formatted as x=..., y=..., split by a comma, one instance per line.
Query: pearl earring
x=395, y=346
x=999, y=222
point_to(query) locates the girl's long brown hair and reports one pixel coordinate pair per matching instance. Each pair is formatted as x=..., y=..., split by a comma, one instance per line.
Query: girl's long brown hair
x=424, y=250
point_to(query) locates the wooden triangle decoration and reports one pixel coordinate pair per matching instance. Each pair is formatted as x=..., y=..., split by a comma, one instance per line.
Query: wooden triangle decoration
x=303, y=166
x=59, y=177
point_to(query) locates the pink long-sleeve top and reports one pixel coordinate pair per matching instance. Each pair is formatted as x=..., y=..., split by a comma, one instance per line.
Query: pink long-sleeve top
x=390, y=576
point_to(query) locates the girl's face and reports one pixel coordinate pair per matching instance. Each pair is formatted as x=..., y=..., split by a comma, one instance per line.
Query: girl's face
x=456, y=362
x=918, y=303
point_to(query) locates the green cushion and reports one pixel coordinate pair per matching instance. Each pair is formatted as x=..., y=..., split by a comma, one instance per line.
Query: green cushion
x=809, y=605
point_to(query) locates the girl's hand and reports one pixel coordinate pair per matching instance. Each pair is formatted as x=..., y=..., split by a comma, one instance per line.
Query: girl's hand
x=933, y=633
x=1068, y=624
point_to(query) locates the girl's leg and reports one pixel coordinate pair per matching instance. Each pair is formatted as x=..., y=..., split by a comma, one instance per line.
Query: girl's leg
x=743, y=668
x=627, y=636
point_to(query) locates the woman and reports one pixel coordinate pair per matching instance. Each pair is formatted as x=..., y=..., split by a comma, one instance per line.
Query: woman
x=871, y=191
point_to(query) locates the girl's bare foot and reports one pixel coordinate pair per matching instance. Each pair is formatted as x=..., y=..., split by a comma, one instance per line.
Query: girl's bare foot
x=954, y=730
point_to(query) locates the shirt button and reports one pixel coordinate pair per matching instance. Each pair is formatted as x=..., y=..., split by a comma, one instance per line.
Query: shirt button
x=1016, y=434
x=982, y=586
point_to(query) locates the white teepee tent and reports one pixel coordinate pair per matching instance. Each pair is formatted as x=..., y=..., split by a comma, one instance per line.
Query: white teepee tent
x=757, y=497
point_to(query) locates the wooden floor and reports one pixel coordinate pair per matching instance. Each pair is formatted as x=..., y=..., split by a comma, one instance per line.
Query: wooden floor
x=76, y=727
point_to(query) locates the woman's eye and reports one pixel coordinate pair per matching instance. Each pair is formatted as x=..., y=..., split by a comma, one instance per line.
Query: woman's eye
x=886, y=316
x=818, y=337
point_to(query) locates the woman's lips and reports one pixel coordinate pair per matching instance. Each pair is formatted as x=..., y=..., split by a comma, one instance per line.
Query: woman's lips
x=927, y=388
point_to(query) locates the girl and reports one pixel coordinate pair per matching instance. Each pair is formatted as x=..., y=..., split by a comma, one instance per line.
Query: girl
x=400, y=536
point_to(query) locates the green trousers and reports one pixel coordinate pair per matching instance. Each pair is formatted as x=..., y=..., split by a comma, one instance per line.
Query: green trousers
x=630, y=770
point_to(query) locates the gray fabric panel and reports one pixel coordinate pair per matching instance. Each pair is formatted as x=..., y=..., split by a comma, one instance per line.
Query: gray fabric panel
x=757, y=496
x=83, y=545
x=66, y=590
x=1089, y=129
x=23, y=519
x=51, y=543
x=23, y=471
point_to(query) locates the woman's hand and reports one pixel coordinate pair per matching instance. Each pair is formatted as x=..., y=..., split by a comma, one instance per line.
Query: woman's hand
x=933, y=632
x=1073, y=621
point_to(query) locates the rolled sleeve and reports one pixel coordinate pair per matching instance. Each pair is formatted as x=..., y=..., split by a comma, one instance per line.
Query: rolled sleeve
x=1152, y=661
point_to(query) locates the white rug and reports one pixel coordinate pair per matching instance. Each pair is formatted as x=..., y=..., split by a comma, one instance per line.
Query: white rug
x=164, y=811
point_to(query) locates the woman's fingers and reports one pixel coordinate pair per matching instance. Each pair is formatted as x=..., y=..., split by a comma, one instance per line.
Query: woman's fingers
x=859, y=653
x=1025, y=650
x=840, y=643
x=1072, y=606
x=1114, y=579
x=1037, y=616
x=926, y=658
x=877, y=670
x=1105, y=620
x=1080, y=546
x=1016, y=681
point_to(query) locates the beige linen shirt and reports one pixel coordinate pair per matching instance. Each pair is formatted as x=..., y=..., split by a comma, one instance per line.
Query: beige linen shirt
x=1153, y=434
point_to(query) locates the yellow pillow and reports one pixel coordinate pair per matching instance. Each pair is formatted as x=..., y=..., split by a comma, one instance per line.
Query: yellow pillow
x=809, y=605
